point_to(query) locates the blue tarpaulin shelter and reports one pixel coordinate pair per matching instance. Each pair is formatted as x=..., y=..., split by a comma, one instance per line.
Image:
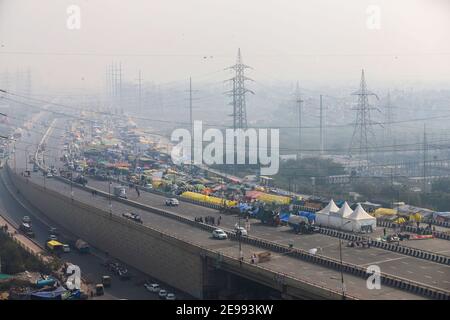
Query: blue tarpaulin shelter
x=254, y=212
x=244, y=207
x=284, y=217
x=49, y=295
x=309, y=215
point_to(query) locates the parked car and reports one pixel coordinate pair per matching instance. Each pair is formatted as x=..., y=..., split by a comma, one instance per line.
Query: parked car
x=172, y=202
x=66, y=248
x=170, y=296
x=26, y=219
x=162, y=294
x=153, y=287
x=52, y=237
x=49, y=175
x=219, y=234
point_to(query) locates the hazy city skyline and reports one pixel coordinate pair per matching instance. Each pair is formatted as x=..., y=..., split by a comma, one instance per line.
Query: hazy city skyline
x=318, y=44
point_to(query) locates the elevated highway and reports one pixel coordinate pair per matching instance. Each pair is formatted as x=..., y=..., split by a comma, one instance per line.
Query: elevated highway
x=286, y=274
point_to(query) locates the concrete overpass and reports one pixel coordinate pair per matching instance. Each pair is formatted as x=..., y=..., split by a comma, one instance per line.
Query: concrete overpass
x=186, y=257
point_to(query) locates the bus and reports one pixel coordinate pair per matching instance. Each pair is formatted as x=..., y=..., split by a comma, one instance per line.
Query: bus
x=55, y=246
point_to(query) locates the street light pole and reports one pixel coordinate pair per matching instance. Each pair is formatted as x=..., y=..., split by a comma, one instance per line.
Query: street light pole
x=240, y=240
x=26, y=158
x=342, y=264
x=109, y=196
x=342, y=273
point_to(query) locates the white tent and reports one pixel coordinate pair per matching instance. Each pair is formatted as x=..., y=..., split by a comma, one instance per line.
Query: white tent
x=322, y=216
x=344, y=212
x=357, y=219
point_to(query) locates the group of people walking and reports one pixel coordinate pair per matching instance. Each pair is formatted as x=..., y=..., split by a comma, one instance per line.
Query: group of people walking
x=209, y=220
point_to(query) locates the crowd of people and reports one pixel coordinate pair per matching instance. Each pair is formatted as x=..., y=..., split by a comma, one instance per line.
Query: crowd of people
x=209, y=220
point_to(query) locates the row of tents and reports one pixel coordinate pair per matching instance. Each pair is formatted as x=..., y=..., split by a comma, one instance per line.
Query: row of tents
x=345, y=218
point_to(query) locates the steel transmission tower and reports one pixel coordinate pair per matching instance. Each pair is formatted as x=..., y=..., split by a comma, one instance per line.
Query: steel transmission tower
x=390, y=117
x=363, y=134
x=238, y=93
x=299, y=102
x=114, y=80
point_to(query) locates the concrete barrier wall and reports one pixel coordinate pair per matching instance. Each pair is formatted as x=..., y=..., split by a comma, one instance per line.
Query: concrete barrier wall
x=170, y=260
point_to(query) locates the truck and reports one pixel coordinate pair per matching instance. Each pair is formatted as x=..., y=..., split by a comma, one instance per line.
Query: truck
x=82, y=246
x=106, y=281
x=120, y=191
x=300, y=224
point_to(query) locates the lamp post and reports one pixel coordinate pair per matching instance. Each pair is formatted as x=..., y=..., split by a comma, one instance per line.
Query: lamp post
x=43, y=165
x=109, y=195
x=342, y=264
x=71, y=184
x=240, y=239
x=26, y=158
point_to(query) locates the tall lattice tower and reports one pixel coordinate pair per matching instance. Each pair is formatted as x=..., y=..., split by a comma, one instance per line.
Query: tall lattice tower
x=363, y=134
x=238, y=93
x=389, y=117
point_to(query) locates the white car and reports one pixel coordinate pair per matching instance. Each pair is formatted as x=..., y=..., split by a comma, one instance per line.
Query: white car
x=219, y=234
x=154, y=287
x=66, y=248
x=172, y=202
x=162, y=293
x=241, y=230
x=170, y=296
x=49, y=175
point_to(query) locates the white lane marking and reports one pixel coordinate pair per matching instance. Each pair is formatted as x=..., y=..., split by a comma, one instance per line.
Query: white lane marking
x=383, y=261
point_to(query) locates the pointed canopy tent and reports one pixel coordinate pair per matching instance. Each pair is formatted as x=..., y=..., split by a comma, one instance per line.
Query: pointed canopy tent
x=331, y=207
x=358, y=219
x=345, y=210
x=323, y=216
x=338, y=219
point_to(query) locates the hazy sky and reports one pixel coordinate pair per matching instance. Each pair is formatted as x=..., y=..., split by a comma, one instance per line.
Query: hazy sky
x=323, y=42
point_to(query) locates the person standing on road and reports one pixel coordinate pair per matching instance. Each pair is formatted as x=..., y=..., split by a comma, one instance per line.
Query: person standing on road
x=137, y=191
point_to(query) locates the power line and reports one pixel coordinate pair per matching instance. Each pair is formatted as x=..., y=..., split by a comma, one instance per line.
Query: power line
x=438, y=117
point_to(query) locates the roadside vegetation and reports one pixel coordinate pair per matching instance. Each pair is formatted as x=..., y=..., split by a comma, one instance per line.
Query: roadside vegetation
x=14, y=259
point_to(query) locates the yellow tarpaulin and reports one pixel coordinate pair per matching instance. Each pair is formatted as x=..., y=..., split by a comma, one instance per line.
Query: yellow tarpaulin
x=269, y=198
x=208, y=199
x=384, y=212
x=417, y=217
x=400, y=220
